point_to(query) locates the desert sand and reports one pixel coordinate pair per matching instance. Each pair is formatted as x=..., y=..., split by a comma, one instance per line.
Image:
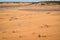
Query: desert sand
x=30, y=22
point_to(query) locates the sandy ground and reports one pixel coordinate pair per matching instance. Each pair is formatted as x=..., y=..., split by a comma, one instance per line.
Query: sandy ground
x=16, y=24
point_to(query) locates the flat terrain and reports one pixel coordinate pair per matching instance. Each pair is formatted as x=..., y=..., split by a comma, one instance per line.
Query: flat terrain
x=30, y=23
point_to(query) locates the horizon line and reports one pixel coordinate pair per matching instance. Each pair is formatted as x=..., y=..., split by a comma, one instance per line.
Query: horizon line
x=20, y=1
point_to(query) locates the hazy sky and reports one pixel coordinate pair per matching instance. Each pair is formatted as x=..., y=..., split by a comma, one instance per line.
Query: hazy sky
x=22, y=0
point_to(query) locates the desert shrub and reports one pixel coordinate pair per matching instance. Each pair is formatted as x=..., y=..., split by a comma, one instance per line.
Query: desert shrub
x=42, y=4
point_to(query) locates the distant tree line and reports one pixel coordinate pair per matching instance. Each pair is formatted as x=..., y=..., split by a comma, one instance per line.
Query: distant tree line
x=57, y=2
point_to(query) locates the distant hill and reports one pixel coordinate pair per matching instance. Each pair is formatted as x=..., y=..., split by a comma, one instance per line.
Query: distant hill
x=48, y=2
x=19, y=4
x=58, y=2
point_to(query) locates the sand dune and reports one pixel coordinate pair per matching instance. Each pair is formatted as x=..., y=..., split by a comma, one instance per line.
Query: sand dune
x=16, y=24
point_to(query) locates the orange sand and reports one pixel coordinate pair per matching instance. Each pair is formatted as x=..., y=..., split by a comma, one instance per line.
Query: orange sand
x=29, y=25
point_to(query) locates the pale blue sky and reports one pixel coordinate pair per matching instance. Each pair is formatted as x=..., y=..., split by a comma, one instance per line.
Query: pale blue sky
x=22, y=0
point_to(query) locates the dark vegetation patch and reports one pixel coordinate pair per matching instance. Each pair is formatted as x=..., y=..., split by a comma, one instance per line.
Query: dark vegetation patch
x=45, y=25
x=41, y=35
x=20, y=36
x=12, y=18
x=48, y=13
x=13, y=31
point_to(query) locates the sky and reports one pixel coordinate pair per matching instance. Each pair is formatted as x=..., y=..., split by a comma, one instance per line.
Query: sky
x=23, y=0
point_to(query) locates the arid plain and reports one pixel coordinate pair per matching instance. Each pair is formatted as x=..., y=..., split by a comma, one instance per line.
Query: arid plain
x=29, y=22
